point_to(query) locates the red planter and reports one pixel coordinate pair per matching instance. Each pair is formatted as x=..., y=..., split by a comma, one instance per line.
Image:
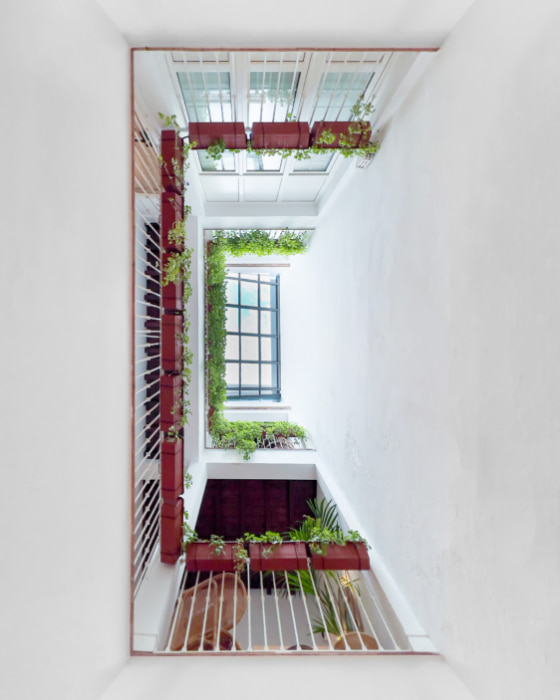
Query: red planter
x=338, y=129
x=201, y=556
x=207, y=133
x=280, y=135
x=171, y=212
x=171, y=533
x=172, y=474
x=172, y=292
x=171, y=149
x=287, y=556
x=171, y=404
x=352, y=556
x=172, y=342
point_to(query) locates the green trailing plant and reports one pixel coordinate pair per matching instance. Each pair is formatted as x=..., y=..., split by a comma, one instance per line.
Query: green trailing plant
x=271, y=538
x=241, y=435
x=217, y=149
x=240, y=555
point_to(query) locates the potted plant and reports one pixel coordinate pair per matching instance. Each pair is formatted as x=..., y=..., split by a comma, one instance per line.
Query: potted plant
x=171, y=214
x=269, y=552
x=172, y=161
x=208, y=134
x=171, y=533
x=342, y=135
x=172, y=472
x=171, y=400
x=266, y=135
x=214, y=555
x=171, y=291
x=171, y=342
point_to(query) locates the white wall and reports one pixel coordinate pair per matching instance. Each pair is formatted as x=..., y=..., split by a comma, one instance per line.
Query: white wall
x=432, y=291
x=65, y=416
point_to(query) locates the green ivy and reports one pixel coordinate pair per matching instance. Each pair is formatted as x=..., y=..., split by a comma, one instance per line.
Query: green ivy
x=241, y=435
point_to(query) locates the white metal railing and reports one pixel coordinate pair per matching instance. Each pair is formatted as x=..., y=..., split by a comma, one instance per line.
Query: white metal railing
x=147, y=351
x=283, y=612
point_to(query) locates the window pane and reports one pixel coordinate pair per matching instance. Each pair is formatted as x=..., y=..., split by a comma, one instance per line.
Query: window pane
x=232, y=347
x=209, y=165
x=232, y=316
x=318, y=162
x=249, y=375
x=265, y=295
x=249, y=321
x=257, y=162
x=249, y=348
x=268, y=322
x=207, y=96
x=232, y=289
x=272, y=95
x=269, y=376
x=232, y=374
x=266, y=349
x=249, y=294
x=338, y=93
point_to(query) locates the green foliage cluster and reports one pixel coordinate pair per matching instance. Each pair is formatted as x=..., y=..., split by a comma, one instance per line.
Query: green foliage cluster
x=259, y=242
x=241, y=435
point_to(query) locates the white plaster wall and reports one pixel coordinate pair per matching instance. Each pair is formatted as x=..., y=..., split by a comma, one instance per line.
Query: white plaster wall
x=65, y=352
x=432, y=291
x=313, y=23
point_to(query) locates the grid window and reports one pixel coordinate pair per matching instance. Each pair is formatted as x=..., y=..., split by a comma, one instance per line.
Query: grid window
x=253, y=337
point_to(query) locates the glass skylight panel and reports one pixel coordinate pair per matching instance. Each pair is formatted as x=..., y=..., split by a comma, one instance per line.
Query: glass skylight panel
x=207, y=95
x=338, y=93
x=272, y=95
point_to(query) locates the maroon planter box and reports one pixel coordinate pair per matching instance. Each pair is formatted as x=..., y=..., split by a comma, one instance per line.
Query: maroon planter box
x=171, y=212
x=287, y=556
x=201, y=556
x=171, y=532
x=352, y=556
x=207, y=133
x=171, y=405
x=172, y=342
x=172, y=292
x=171, y=149
x=172, y=473
x=339, y=128
x=280, y=135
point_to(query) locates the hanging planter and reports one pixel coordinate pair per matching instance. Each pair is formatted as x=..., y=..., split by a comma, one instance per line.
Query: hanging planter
x=286, y=556
x=171, y=213
x=172, y=342
x=341, y=134
x=172, y=162
x=171, y=401
x=205, y=556
x=280, y=135
x=172, y=292
x=351, y=556
x=171, y=533
x=209, y=133
x=172, y=474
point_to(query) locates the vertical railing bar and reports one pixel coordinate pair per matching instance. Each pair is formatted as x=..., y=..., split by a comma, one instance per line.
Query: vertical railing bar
x=250, y=636
x=319, y=605
x=147, y=172
x=263, y=87
x=235, y=613
x=205, y=88
x=147, y=528
x=370, y=623
x=187, y=73
x=291, y=97
x=177, y=606
x=373, y=596
x=348, y=608
x=201, y=645
x=220, y=86
x=220, y=611
x=277, y=610
x=339, y=621
x=277, y=86
x=191, y=611
x=322, y=82
x=304, y=598
x=292, y=610
x=263, y=613
x=146, y=413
